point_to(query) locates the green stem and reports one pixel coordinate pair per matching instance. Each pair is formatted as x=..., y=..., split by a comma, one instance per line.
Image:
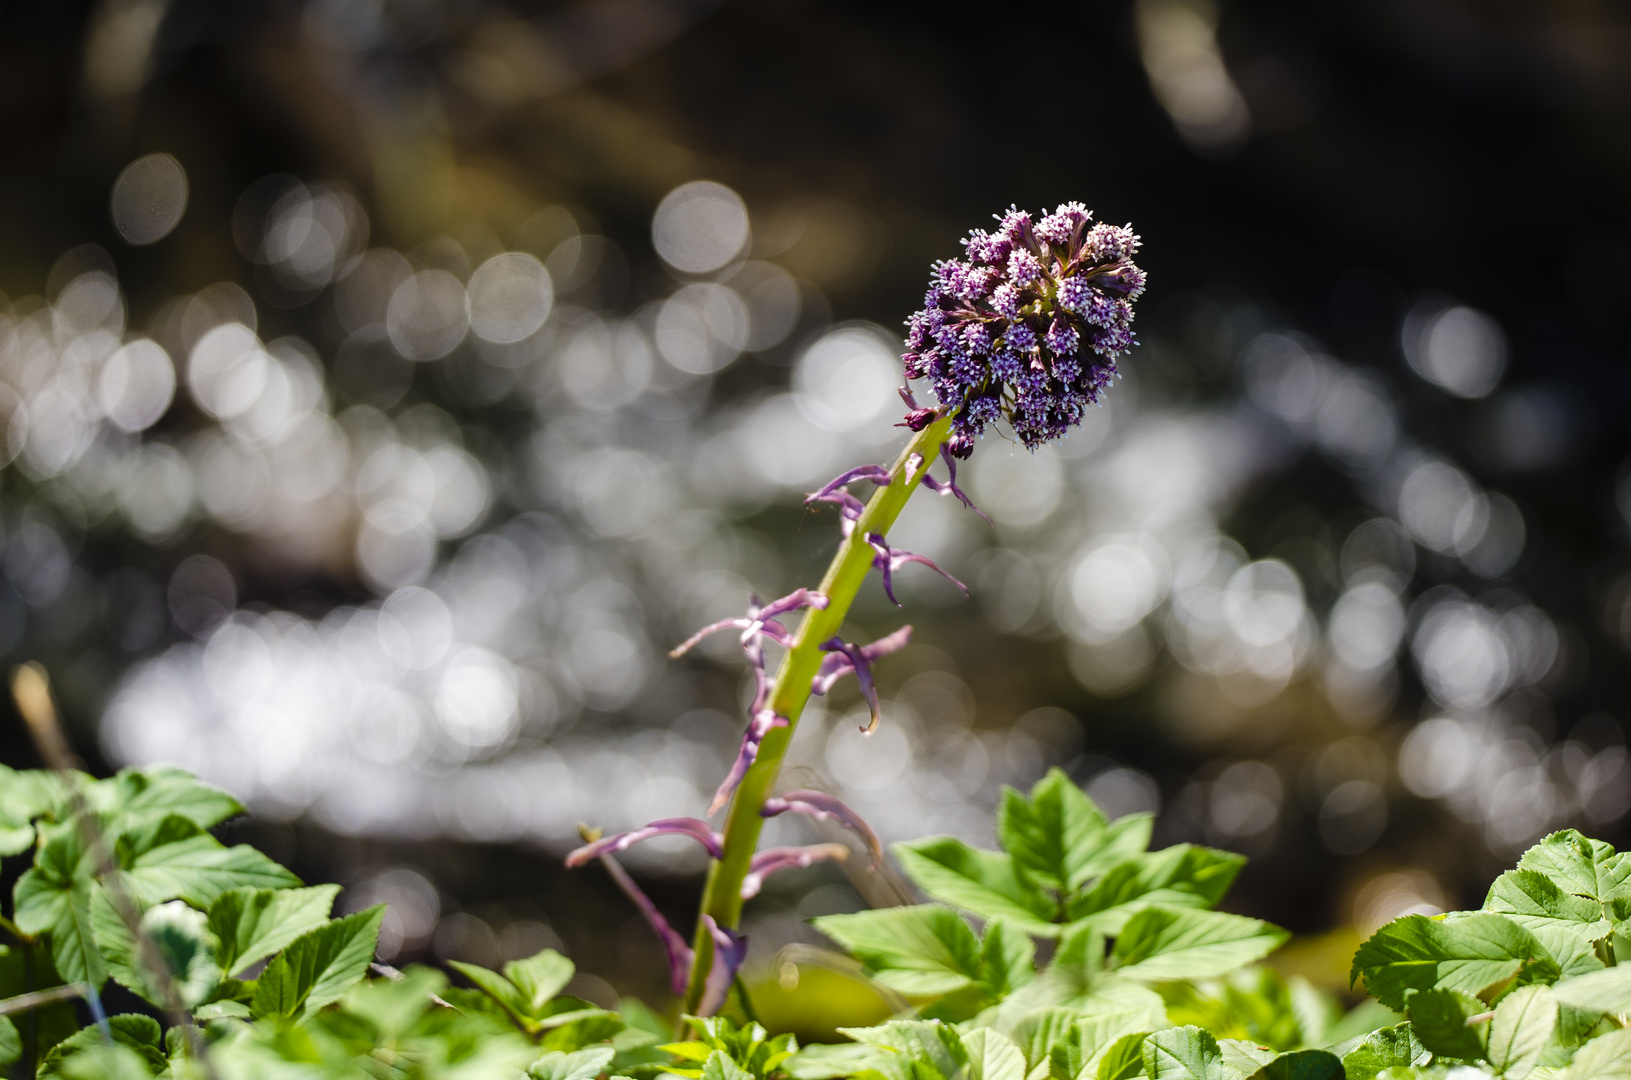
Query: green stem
x=11, y=928
x=722, y=898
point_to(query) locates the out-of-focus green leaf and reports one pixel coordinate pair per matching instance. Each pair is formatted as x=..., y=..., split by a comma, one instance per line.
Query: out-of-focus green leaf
x=1124, y=1059
x=579, y=1065
x=1607, y=991
x=984, y=882
x=1186, y=943
x=1607, y=1057
x=992, y=1056
x=1444, y=1022
x=11, y=1044
x=1387, y=1048
x=1523, y=1025
x=139, y=1034
x=1302, y=1065
x=1184, y=875
x=921, y=951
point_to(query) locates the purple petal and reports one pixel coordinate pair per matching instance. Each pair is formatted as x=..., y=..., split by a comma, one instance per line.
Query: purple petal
x=798, y=598
x=906, y=396
x=679, y=953
x=761, y=725
x=834, y=666
x=825, y=807
x=875, y=473
x=883, y=561
x=772, y=860
x=862, y=666
x=949, y=487
x=888, y=644
x=730, y=950
x=696, y=829
x=849, y=509
x=843, y=658
x=736, y=623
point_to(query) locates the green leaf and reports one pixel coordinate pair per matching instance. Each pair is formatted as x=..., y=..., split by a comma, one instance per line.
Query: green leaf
x=992, y=1056
x=1184, y=875
x=141, y=795
x=1393, y=1047
x=139, y=1033
x=180, y=936
x=920, y=951
x=252, y=924
x=11, y=1045
x=539, y=978
x=1566, y=924
x=1469, y=952
x=1444, y=1022
x=580, y=1065
x=720, y=1067
x=174, y=858
x=31, y=794
x=984, y=882
x=54, y=897
x=106, y=1063
x=1579, y=865
x=1076, y=1045
x=1185, y=943
x=1523, y=1025
x=1302, y=1065
x=1006, y=959
x=1185, y=1053
x=318, y=966
x=1039, y=1031
x=1059, y=837
x=1607, y=991
x=923, y=1050
x=1245, y=1056
x=1124, y=1059
x=1607, y=1057
x=16, y=837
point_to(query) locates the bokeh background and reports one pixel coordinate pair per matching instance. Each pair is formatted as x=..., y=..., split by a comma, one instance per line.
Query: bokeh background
x=385, y=385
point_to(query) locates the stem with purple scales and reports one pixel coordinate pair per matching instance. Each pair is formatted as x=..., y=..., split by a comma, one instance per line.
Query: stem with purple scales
x=722, y=898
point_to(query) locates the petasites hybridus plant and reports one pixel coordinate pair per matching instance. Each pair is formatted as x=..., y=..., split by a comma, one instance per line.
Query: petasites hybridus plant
x=1024, y=331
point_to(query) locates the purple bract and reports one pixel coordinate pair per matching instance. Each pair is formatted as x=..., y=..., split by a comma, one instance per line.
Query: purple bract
x=1028, y=326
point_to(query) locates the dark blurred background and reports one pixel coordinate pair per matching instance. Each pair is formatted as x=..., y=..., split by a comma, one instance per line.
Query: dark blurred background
x=386, y=384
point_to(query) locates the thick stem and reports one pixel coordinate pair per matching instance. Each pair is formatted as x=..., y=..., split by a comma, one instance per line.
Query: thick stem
x=722, y=898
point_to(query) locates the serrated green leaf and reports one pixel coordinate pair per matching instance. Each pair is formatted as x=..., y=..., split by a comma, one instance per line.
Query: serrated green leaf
x=579, y=1065
x=1185, y=1053
x=1568, y=925
x=1053, y=834
x=1523, y=1025
x=1606, y=991
x=54, y=897
x=1038, y=1031
x=319, y=966
x=1124, y=1059
x=1470, y=953
x=174, y=858
x=1079, y=1042
x=181, y=939
x=1245, y=1056
x=1444, y=1022
x=1006, y=959
x=539, y=978
x=992, y=1056
x=252, y=924
x=1580, y=865
x=140, y=1034
x=1393, y=1047
x=920, y=951
x=720, y=1067
x=1184, y=875
x=1186, y=943
x=138, y=795
x=984, y=882
x=922, y=1050
x=1302, y=1065
x=11, y=1044
x=1607, y=1057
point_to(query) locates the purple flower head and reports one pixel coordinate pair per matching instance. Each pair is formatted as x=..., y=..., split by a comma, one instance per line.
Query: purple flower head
x=1030, y=294
x=772, y=860
x=1062, y=337
x=887, y=560
x=844, y=659
x=825, y=807
x=680, y=826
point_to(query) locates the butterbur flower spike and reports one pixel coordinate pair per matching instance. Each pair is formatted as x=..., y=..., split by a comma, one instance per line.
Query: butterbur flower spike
x=679, y=953
x=825, y=807
x=1027, y=327
x=695, y=828
x=887, y=560
x=730, y=950
x=763, y=722
x=772, y=860
x=844, y=658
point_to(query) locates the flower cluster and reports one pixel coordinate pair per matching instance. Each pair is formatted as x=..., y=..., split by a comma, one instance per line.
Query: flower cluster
x=1027, y=327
